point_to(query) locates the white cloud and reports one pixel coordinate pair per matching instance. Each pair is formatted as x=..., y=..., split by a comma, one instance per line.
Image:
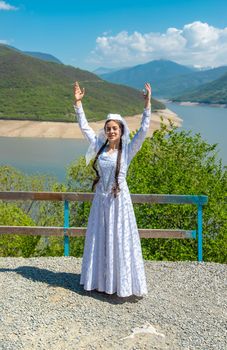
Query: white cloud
x=3, y=41
x=6, y=7
x=196, y=43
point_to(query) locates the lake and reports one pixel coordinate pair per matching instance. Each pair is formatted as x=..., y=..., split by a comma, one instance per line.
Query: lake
x=53, y=156
x=41, y=155
x=210, y=122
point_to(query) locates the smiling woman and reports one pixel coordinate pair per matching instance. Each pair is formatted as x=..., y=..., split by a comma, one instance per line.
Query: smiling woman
x=112, y=259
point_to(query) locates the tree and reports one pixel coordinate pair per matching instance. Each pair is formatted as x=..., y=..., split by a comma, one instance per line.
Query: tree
x=11, y=244
x=29, y=213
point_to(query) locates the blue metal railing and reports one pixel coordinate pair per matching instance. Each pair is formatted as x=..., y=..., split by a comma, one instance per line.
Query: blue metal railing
x=66, y=226
x=198, y=200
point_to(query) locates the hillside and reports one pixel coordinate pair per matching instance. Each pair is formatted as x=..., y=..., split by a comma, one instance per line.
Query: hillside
x=168, y=78
x=214, y=92
x=37, y=90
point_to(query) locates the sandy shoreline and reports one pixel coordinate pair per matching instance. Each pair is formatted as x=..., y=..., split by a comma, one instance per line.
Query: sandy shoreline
x=27, y=128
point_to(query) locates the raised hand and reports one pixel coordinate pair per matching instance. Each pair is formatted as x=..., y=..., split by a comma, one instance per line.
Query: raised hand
x=78, y=93
x=147, y=95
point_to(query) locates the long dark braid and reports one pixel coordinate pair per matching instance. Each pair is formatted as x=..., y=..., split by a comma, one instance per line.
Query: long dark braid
x=116, y=188
x=96, y=180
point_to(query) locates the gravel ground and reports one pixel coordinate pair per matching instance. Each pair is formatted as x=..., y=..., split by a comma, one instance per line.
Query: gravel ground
x=42, y=306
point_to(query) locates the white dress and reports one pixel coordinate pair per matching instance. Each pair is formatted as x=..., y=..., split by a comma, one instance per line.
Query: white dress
x=112, y=259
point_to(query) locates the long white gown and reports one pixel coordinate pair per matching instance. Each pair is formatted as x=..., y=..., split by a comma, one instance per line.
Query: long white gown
x=112, y=259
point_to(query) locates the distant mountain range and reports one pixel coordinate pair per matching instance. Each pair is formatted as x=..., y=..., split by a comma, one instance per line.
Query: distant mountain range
x=40, y=55
x=170, y=80
x=43, y=56
x=214, y=92
x=153, y=71
x=32, y=88
x=175, y=87
x=103, y=70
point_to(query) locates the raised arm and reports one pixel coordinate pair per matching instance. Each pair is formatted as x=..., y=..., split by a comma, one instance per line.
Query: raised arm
x=86, y=130
x=137, y=140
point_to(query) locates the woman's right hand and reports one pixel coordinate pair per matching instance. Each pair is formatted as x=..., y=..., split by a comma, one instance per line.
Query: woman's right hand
x=147, y=95
x=78, y=93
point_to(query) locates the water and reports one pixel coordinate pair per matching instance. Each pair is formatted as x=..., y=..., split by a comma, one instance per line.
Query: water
x=210, y=122
x=53, y=156
x=40, y=155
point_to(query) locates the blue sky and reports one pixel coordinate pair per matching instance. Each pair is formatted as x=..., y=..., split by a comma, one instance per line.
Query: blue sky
x=113, y=33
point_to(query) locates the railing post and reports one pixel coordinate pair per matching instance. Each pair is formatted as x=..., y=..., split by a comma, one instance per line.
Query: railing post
x=66, y=225
x=200, y=232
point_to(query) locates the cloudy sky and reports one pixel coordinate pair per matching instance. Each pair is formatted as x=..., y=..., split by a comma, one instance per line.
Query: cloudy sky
x=118, y=33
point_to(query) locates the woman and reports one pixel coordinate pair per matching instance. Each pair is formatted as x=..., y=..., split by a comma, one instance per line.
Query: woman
x=112, y=259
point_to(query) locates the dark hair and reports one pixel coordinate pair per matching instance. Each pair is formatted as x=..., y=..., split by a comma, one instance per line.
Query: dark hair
x=116, y=188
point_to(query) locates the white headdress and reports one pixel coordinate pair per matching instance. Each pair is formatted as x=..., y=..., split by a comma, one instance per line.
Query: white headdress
x=101, y=137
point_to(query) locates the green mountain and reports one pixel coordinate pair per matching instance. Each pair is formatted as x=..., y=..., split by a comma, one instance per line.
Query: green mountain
x=213, y=92
x=168, y=78
x=37, y=90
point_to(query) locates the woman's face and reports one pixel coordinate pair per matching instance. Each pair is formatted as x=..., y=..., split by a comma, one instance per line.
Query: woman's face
x=113, y=131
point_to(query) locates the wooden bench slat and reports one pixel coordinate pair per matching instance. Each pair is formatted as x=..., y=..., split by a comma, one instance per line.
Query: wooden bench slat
x=32, y=230
x=87, y=196
x=80, y=231
x=167, y=233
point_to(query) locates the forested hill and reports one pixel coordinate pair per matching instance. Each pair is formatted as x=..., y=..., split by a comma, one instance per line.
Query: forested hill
x=213, y=92
x=33, y=89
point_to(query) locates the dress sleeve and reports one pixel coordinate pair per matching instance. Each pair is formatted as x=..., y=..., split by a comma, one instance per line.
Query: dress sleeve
x=137, y=140
x=86, y=130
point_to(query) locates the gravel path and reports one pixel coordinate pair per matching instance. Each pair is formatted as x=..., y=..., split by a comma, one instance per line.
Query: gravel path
x=42, y=306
